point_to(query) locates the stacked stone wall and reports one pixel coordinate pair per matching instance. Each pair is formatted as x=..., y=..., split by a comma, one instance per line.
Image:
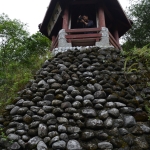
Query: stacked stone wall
x=80, y=100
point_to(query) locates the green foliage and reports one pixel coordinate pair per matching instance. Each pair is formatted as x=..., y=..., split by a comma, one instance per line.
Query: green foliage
x=12, y=35
x=140, y=58
x=139, y=35
x=18, y=75
x=15, y=42
x=2, y=134
x=21, y=55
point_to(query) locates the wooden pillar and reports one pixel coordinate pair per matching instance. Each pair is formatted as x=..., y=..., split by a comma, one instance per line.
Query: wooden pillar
x=101, y=16
x=116, y=35
x=53, y=39
x=65, y=19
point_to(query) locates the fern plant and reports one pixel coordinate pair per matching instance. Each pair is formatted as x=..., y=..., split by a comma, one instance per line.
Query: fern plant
x=140, y=57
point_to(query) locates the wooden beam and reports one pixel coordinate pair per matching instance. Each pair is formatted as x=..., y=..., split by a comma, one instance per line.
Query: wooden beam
x=65, y=19
x=113, y=41
x=101, y=16
x=83, y=40
x=83, y=30
x=80, y=36
x=53, y=38
x=54, y=43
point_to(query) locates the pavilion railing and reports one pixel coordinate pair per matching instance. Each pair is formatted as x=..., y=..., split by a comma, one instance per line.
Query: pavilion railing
x=85, y=36
x=55, y=43
x=113, y=42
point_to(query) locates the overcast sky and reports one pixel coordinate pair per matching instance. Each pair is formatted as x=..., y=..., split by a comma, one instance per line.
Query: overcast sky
x=31, y=12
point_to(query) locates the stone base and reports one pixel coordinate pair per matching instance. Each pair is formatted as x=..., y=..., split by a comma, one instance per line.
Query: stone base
x=63, y=45
x=64, y=49
x=55, y=51
x=62, y=42
x=104, y=42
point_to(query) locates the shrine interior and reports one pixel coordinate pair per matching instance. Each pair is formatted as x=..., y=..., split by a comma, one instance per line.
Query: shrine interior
x=84, y=9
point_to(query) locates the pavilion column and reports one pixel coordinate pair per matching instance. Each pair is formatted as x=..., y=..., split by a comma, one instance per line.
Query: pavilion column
x=104, y=42
x=116, y=35
x=101, y=17
x=65, y=19
x=53, y=39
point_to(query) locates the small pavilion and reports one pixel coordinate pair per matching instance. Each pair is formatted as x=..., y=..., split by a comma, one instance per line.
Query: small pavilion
x=60, y=23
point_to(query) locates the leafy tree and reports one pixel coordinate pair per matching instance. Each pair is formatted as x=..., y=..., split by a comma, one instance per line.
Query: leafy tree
x=12, y=35
x=15, y=42
x=36, y=43
x=21, y=54
x=139, y=35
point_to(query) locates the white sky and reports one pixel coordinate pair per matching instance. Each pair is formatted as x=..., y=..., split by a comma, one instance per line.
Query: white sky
x=31, y=12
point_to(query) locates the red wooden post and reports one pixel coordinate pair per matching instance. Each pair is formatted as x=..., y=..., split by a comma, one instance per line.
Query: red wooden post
x=65, y=19
x=101, y=17
x=116, y=35
x=53, y=39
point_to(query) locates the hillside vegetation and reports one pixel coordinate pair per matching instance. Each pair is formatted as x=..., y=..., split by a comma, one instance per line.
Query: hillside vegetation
x=139, y=34
x=136, y=49
x=21, y=55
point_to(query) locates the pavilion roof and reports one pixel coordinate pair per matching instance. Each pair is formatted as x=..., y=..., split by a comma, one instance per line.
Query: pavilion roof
x=113, y=6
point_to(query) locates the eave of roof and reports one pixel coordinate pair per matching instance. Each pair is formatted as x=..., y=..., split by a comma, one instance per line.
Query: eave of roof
x=43, y=28
x=120, y=15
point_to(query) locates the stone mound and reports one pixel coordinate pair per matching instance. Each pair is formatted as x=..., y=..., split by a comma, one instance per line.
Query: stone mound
x=80, y=100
